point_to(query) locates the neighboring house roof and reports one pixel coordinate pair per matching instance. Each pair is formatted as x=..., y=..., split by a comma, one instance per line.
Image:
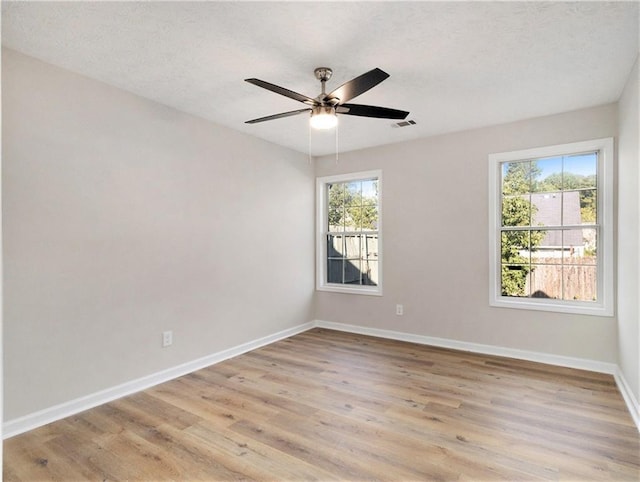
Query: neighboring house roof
x=558, y=209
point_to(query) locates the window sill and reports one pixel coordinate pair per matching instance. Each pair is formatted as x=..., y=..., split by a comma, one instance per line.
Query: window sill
x=578, y=308
x=368, y=291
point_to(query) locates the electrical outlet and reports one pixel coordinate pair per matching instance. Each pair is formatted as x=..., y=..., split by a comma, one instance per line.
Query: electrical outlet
x=167, y=338
x=399, y=310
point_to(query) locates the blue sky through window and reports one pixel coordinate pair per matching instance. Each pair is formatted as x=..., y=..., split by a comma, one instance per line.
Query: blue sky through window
x=582, y=164
x=369, y=188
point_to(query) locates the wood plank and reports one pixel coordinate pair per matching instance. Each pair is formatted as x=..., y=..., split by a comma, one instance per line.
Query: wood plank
x=255, y=459
x=326, y=405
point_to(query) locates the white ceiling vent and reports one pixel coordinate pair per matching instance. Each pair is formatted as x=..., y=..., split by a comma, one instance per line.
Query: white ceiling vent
x=404, y=123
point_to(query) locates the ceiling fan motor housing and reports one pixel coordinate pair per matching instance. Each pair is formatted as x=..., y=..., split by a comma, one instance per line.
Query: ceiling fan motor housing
x=323, y=73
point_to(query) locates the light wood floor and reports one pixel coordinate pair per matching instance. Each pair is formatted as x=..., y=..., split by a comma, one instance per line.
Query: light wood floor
x=325, y=405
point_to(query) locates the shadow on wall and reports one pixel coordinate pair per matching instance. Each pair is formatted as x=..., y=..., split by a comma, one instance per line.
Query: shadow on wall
x=539, y=294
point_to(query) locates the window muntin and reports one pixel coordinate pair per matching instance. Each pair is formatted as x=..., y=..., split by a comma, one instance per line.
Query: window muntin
x=348, y=249
x=552, y=238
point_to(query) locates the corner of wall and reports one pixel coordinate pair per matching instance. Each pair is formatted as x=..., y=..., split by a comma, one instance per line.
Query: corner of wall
x=629, y=237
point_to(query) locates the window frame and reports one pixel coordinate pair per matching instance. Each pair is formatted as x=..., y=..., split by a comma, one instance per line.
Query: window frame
x=322, y=231
x=604, y=306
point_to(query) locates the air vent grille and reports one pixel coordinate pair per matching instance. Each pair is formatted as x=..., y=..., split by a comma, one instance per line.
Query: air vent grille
x=404, y=123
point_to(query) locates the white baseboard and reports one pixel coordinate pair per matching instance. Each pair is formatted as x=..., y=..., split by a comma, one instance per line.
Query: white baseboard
x=558, y=360
x=72, y=407
x=629, y=399
x=549, y=359
x=37, y=419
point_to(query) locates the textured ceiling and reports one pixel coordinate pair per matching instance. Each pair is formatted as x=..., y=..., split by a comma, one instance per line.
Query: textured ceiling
x=453, y=65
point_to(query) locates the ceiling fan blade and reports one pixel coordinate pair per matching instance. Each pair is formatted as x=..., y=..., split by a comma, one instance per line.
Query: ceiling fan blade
x=282, y=91
x=277, y=116
x=371, y=111
x=357, y=86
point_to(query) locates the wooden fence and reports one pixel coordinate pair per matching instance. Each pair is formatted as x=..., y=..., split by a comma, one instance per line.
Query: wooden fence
x=575, y=281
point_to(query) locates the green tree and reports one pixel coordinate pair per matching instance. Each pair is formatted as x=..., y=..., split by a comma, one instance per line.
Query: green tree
x=351, y=211
x=364, y=216
x=336, y=212
x=517, y=210
x=519, y=177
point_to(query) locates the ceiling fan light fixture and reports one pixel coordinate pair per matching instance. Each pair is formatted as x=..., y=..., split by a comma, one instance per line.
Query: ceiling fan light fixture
x=324, y=107
x=323, y=117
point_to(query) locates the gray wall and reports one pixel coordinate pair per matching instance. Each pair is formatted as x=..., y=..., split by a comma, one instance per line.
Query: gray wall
x=124, y=218
x=628, y=235
x=435, y=228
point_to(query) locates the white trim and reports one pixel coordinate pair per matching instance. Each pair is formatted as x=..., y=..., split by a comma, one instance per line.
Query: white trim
x=1, y=307
x=605, y=304
x=72, y=407
x=352, y=290
x=549, y=359
x=321, y=245
x=627, y=395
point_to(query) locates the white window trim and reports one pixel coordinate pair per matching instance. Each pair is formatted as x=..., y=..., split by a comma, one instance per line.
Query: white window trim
x=605, y=304
x=321, y=232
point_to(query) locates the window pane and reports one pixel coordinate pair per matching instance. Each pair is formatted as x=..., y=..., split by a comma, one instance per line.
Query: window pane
x=370, y=246
x=571, y=208
x=590, y=246
x=516, y=210
x=546, y=281
x=370, y=189
x=352, y=247
x=335, y=207
x=335, y=218
x=353, y=218
x=334, y=271
x=515, y=263
x=370, y=273
x=352, y=259
x=547, y=174
x=353, y=194
x=580, y=246
x=546, y=209
x=588, y=206
x=335, y=246
x=336, y=193
x=573, y=242
x=369, y=216
x=580, y=171
x=580, y=283
x=514, y=247
x=515, y=280
x=352, y=273
x=516, y=177
x=550, y=243
x=546, y=247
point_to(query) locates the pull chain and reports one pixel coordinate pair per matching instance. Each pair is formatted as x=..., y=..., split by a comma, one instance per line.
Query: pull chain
x=336, y=143
x=309, y=143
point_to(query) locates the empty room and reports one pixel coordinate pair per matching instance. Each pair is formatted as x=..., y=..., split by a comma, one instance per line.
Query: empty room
x=334, y=241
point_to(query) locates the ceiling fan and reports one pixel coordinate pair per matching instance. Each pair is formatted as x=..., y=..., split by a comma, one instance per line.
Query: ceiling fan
x=324, y=107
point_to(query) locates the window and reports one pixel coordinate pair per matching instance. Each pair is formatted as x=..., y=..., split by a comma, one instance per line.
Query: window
x=348, y=251
x=551, y=234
